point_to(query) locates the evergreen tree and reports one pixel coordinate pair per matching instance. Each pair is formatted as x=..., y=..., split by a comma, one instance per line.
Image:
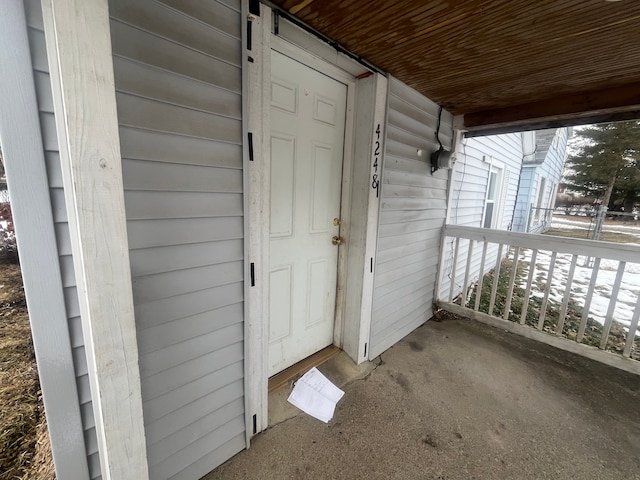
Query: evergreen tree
x=606, y=162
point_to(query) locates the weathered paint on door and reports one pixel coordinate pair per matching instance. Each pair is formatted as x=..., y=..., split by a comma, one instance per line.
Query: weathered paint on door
x=307, y=144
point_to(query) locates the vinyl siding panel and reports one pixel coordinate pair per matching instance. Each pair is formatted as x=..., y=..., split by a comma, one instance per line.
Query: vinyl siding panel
x=178, y=90
x=54, y=173
x=412, y=212
x=475, y=158
x=526, y=198
x=550, y=157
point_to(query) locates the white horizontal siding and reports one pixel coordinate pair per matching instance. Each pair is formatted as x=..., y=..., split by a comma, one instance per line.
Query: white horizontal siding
x=474, y=160
x=412, y=212
x=178, y=90
x=37, y=45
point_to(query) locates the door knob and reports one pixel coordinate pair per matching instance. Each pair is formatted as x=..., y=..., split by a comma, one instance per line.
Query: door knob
x=336, y=240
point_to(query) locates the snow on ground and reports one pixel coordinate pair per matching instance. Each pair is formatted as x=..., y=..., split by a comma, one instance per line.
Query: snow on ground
x=625, y=301
x=629, y=289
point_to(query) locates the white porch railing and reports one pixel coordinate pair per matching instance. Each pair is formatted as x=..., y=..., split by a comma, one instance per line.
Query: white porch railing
x=578, y=295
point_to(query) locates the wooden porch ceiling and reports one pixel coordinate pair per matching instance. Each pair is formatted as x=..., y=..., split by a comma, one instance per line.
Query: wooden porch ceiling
x=503, y=64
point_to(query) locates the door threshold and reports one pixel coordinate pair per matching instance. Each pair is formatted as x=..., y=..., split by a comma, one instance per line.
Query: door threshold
x=281, y=379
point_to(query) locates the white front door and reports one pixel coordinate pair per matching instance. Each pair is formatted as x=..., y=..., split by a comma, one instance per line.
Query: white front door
x=307, y=143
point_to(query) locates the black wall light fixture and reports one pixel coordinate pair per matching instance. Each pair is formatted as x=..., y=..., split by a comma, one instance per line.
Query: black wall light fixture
x=440, y=158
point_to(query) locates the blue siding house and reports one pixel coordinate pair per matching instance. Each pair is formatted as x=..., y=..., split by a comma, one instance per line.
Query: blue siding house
x=539, y=181
x=497, y=181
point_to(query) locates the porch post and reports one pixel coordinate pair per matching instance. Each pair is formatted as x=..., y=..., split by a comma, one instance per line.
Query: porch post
x=80, y=61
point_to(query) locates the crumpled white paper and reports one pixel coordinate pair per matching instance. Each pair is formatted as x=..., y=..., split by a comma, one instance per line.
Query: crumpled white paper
x=315, y=395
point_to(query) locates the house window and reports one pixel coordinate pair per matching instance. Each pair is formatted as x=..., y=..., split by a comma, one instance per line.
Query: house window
x=492, y=201
x=541, y=187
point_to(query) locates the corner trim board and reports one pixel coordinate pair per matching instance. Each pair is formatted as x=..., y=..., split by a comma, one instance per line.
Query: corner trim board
x=79, y=53
x=257, y=197
x=250, y=419
x=32, y=213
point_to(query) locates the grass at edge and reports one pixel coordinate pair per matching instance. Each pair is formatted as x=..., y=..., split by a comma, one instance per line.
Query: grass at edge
x=24, y=441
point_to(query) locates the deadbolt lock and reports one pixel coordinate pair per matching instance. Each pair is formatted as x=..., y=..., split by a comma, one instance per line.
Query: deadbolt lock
x=336, y=222
x=336, y=240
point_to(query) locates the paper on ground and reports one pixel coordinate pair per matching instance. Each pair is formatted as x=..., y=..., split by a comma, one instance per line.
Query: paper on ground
x=315, y=395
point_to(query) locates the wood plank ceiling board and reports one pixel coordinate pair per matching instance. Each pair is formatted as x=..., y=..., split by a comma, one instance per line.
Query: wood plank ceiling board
x=473, y=57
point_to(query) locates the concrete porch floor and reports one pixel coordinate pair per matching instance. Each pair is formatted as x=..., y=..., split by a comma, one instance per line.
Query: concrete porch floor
x=461, y=400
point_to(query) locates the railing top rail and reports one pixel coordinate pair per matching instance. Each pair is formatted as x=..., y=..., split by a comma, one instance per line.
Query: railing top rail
x=592, y=248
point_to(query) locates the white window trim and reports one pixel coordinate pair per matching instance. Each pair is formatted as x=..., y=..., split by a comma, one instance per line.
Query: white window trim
x=499, y=200
x=540, y=195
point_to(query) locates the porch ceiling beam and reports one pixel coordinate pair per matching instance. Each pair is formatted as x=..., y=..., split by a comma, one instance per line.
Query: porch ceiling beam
x=606, y=105
x=80, y=60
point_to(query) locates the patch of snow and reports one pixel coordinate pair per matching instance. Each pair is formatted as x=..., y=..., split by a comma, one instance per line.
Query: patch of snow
x=624, y=303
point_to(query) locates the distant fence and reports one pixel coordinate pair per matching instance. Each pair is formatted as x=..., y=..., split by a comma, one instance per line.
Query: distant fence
x=597, y=223
x=539, y=219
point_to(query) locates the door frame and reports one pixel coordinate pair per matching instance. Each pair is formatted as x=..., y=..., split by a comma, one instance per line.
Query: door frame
x=351, y=333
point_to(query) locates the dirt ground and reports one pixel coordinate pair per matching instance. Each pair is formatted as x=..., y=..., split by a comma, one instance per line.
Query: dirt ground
x=460, y=400
x=24, y=441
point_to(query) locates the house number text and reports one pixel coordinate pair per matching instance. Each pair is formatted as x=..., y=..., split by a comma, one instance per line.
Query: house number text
x=375, y=184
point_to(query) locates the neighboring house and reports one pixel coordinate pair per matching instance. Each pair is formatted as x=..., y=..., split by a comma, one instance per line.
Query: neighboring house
x=485, y=186
x=492, y=185
x=205, y=193
x=486, y=180
x=539, y=181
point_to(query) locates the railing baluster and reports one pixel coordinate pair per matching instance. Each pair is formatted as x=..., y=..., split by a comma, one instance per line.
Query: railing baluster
x=453, y=271
x=567, y=294
x=538, y=294
x=612, y=305
x=512, y=279
x=496, y=276
x=587, y=301
x=476, y=307
x=633, y=328
x=543, y=307
x=465, y=285
x=527, y=293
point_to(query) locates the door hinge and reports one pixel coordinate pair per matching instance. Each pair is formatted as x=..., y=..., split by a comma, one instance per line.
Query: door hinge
x=250, y=140
x=253, y=274
x=249, y=34
x=371, y=267
x=255, y=423
x=365, y=350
